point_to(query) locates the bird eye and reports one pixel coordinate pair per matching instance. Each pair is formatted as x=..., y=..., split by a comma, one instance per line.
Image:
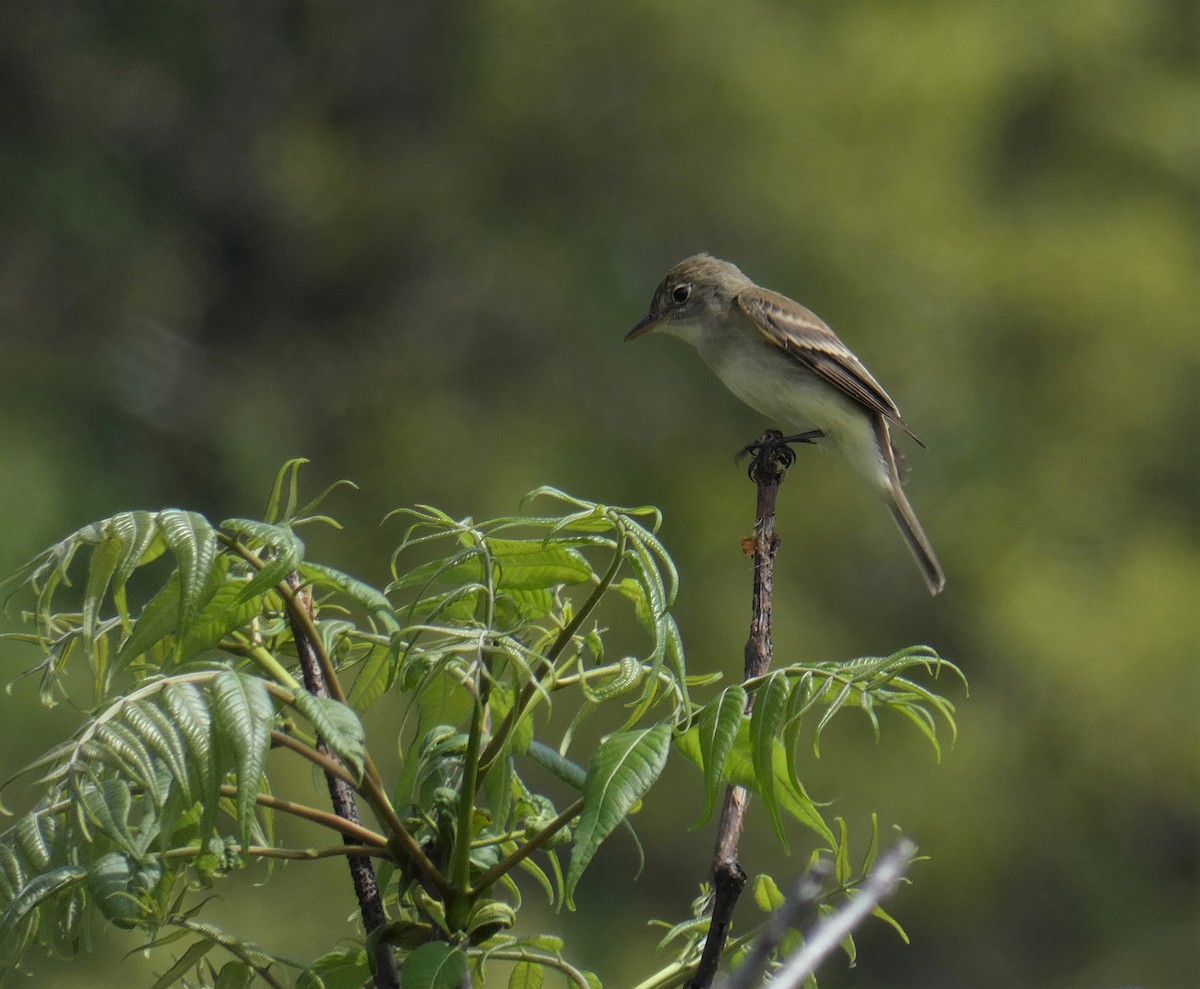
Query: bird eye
x=681, y=292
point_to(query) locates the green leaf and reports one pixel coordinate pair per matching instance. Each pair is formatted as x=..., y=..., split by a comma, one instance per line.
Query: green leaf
x=194, y=543
x=739, y=769
x=287, y=550
x=107, y=803
x=488, y=918
x=338, y=726
x=235, y=975
x=549, y=758
x=116, y=883
x=376, y=604
x=35, y=834
x=767, y=894
x=187, y=961
x=121, y=740
x=288, y=474
x=718, y=724
x=36, y=892
x=243, y=716
x=765, y=719
x=158, y=619
x=141, y=543
x=162, y=735
x=345, y=968
x=843, y=872
x=188, y=706
x=621, y=772
x=888, y=919
x=100, y=571
x=374, y=677
x=434, y=966
x=226, y=611
x=526, y=975
x=530, y=564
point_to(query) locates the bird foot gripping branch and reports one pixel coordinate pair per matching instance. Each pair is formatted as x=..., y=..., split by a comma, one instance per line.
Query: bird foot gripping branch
x=770, y=455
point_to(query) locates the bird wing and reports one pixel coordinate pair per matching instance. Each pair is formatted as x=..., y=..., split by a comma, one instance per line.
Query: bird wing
x=805, y=337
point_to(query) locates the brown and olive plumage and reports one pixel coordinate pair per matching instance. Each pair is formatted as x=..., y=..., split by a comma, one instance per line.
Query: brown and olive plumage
x=781, y=359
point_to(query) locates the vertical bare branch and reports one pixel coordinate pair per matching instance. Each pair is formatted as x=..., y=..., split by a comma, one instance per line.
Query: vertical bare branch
x=771, y=460
x=341, y=794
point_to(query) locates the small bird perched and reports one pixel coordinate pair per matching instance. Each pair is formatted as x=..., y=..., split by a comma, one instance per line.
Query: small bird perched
x=781, y=359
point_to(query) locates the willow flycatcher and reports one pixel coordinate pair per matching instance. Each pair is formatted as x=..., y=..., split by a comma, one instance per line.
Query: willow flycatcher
x=782, y=360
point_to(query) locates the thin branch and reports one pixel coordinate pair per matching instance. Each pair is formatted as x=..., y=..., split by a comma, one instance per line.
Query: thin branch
x=520, y=954
x=830, y=932
x=271, y=851
x=235, y=948
x=321, y=680
x=327, y=763
x=348, y=829
x=728, y=877
x=528, y=848
x=800, y=899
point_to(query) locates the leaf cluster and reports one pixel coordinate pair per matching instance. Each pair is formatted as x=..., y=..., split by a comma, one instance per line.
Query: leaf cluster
x=185, y=639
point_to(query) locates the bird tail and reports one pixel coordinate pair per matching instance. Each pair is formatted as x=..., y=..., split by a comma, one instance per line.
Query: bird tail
x=918, y=542
x=902, y=512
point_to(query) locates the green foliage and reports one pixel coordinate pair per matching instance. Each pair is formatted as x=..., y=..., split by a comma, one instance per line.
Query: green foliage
x=489, y=632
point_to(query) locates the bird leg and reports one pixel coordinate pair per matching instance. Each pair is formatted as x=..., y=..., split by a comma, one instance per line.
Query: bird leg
x=770, y=454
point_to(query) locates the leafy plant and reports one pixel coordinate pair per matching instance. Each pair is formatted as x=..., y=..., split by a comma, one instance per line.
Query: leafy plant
x=203, y=647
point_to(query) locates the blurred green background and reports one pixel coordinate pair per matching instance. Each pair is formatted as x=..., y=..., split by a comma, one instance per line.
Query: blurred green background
x=405, y=240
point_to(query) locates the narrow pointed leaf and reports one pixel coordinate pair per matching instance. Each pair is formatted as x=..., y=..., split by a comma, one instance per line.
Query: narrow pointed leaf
x=718, y=725
x=162, y=735
x=107, y=804
x=288, y=473
x=100, y=571
x=141, y=543
x=530, y=564
x=376, y=604
x=287, y=550
x=158, y=619
x=374, y=677
x=243, y=716
x=36, y=892
x=622, y=771
x=765, y=719
x=338, y=726
x=194, y=543
x=188, y=706
x=739, y=769
x=36, y=833
x=228, y=610
x=195, y=951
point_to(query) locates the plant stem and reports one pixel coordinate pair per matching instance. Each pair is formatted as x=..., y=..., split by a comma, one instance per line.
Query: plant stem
x=460, y=867
x=270, y=851
x=517, y=711
x=348, y=829
x=510, y=862
x=728, y=877
x=321, y=680
x=328, y=765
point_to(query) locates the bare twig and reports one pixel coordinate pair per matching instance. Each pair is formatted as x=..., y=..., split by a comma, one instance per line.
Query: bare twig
x=830, y=932
x=800, y=899
x=341, y=792
x=728, y=879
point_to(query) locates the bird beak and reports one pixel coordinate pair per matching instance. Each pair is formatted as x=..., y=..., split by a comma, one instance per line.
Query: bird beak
x=645, y=326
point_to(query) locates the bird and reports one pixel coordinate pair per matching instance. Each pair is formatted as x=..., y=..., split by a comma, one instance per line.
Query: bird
x=783, y=361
